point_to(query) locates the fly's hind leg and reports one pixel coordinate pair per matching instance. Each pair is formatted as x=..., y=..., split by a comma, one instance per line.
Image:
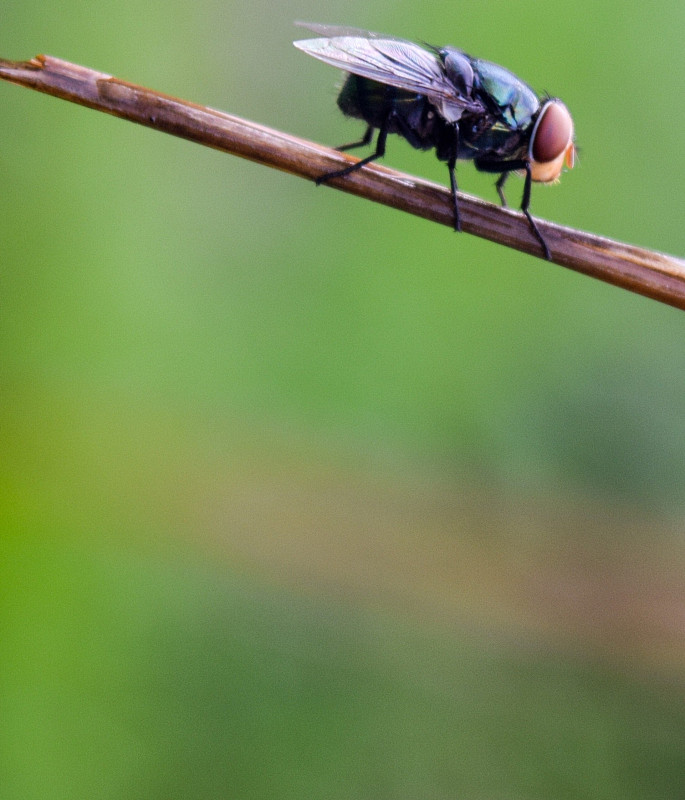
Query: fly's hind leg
x=366, y=139
x=379, y=152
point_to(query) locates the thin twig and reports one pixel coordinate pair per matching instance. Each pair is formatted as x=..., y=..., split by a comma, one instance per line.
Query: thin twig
x=646, y=272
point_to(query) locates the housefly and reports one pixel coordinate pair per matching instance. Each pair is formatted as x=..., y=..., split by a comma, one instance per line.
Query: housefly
x=440, y=97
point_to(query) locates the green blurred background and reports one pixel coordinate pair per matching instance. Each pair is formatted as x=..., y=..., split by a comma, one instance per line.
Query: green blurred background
x=304, y=497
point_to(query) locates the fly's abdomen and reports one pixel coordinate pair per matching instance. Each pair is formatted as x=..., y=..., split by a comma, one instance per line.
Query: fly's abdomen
x=407, y=114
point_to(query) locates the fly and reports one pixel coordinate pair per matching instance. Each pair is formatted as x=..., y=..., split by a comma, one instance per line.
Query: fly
x=440, y=97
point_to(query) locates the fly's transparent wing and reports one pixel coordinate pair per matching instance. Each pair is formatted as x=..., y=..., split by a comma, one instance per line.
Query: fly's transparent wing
x=395, y=62
x=331, y=31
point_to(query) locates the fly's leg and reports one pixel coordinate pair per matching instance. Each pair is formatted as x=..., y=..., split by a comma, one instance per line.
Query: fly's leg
x=379, y=153
x=451, y=166
x=525, y=203
x=448, y=150
x=448, y=153
x=366, y=139
x=500, y=188
x=505, y=167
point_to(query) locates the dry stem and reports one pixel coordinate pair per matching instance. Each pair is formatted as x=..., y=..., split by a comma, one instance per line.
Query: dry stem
x=646, y=272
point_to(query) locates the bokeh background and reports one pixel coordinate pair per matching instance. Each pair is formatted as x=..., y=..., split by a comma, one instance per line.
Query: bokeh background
x=304, y=497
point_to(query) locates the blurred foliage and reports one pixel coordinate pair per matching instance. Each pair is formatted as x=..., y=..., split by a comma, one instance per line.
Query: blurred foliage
x=177, y=324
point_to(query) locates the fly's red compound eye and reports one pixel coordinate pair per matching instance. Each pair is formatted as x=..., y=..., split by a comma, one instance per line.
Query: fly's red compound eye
x=551, y=142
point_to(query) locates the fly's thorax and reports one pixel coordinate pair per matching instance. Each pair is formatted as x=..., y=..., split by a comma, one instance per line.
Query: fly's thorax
x=504, y=94
x=486, y=136
x=551, y=142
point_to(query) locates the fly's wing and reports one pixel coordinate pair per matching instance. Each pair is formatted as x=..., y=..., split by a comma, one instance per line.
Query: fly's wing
x=395, y=62
x=331, y=31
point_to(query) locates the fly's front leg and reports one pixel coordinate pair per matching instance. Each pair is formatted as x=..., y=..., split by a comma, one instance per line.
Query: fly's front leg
x=379, y=153
x=505, y=167
x=525, y=202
